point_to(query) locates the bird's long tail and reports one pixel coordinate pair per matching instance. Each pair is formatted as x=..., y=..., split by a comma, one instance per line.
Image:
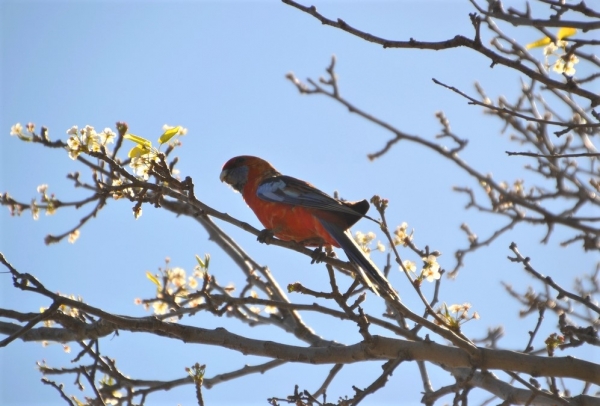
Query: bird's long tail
x=369, y=272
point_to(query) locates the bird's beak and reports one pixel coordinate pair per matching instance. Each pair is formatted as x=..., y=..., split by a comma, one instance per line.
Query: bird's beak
x=223, y=175
x=235, y=177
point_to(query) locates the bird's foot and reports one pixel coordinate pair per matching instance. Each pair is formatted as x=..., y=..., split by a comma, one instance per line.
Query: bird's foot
x=265, y=236
x=319, y=255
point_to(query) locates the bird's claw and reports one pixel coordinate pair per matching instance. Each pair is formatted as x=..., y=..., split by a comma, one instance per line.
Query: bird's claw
x=318, y=255
x=265, y=236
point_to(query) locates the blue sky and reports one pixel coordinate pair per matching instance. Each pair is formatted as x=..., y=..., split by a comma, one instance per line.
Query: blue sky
x=218, y=68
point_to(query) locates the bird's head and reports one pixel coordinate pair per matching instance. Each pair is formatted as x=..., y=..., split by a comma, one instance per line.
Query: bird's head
x=239, y=169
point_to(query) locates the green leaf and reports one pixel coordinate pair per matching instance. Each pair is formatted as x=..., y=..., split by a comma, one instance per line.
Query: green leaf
x=203, y=264
x=200, y=262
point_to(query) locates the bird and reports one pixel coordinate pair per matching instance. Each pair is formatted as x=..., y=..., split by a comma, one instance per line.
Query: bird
x=294, y=210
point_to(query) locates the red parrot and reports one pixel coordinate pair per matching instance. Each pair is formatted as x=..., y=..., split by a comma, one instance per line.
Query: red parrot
x=294, y=210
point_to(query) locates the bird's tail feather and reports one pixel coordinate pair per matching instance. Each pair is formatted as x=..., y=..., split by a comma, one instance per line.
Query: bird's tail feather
x=369, y=272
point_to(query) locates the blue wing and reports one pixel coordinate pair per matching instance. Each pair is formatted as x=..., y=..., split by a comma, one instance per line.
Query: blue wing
x=288, y=190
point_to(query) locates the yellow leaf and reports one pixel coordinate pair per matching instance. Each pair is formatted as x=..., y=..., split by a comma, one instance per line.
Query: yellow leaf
x=138, y=140
x=138, y=150
x=153, y=279
x=170, y=133
x=539, y=43
x=565, y=32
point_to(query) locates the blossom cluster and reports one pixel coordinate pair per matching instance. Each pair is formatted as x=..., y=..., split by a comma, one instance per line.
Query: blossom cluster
x=455, y=315
x=174, y=288
x=565, y=61
x=49, y=203
x=144, y=155
x=173, y=285
x=87, y=140
x=17, y=130
x=364, y=242
x=430, y=270
x=401, y=237
x=72, y=312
